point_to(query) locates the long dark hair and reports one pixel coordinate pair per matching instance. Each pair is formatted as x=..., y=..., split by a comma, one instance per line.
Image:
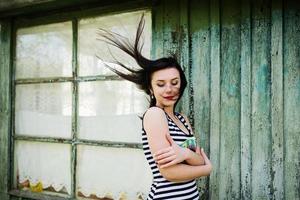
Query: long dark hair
x=141, y=77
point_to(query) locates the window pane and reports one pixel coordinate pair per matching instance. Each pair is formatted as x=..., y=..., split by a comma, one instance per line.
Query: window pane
x=44, y=51
x=110, y=110
x=112, y=173
x=42, y=167
x=44, y=110
x=124, y=24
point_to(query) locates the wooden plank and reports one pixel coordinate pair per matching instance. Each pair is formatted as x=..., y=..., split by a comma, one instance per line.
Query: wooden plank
x=5, y=107
x=230, y=101
x=277, y=188
x=291, y=73
x=157, y=31
x=15, y=194
x=74, y=107
x=261, y=101
x=200, y=77
x=74, y=7
x=171, y=27
x=186, y=103
x=245, y=99
x=215, y=52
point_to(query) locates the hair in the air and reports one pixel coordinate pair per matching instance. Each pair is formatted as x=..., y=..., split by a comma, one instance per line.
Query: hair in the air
x=142, y=76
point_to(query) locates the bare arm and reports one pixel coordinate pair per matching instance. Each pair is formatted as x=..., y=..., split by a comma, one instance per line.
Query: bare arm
x=183, y=172
x=168, y=156
x=156, y=127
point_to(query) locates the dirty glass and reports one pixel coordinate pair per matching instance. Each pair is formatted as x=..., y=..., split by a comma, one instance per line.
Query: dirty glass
x=42, y=167
x=43, y=110
x=44, y=51
x=116, y=173
x=110, y=110
x=124, y=24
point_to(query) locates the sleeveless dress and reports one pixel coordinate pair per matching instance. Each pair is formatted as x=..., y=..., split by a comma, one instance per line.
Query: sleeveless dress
x=161, y=188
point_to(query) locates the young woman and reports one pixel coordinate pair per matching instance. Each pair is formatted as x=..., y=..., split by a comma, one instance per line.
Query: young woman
x=167, y=136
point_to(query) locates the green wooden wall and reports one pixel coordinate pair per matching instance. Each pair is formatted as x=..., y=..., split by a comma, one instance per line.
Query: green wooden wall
x=242, y=60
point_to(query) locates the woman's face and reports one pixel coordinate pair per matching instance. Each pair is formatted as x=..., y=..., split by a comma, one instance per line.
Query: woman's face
x=166, y=86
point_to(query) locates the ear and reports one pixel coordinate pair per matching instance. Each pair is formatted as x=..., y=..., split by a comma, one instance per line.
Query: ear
x=151, y=91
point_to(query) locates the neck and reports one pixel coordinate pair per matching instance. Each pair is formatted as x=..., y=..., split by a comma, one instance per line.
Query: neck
x=169, y=110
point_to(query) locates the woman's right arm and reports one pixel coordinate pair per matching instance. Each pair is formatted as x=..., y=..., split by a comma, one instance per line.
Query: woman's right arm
x=183, y=172
x=156, y=127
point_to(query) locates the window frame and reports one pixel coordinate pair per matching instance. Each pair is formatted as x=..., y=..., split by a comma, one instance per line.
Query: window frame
x=74, y=17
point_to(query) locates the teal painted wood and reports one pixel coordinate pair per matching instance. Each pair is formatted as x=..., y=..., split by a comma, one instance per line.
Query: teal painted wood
x=230, y=101
x=200, y=77
x=5, y=107
x=261, y=102
x=245, y=130
x=291, y=90
x=184, y=50
x=171, y=27
x=157, y=47
x=277, y=100
x=215, y=52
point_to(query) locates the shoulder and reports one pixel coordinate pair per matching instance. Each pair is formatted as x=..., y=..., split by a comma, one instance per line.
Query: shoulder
x=153, y=112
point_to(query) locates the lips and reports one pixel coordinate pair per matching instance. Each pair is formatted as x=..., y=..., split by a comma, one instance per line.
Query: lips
x=169, y=97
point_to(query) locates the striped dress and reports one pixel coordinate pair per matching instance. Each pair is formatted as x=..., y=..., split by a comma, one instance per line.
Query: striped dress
x=161, y=188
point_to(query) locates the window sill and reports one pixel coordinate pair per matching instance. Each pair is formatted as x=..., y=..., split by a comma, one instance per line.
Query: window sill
x=33, y=195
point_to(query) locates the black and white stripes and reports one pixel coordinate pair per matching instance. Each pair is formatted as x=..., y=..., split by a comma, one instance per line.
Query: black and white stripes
x=161, y=188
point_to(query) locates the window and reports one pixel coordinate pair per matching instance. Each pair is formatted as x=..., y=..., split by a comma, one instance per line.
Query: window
x=76, y=126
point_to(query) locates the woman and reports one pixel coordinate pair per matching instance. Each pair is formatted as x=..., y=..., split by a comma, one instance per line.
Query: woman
x=168, y=141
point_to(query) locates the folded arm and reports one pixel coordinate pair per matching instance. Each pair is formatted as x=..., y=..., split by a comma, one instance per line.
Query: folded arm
x=157, y=130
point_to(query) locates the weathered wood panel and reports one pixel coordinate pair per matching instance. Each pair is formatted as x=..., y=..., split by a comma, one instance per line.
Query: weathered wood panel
x=291, y=99
x=245, y=100
x=230, y=101
x=261, y=100
x=5, y=107
x=200, y=76
x=215, y=53
x=277, y=100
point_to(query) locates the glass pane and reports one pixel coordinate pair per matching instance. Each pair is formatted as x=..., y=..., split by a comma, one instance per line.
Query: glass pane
x=110, y=110
x=44, y=110
x=112, y=173
x=42, y=167
x=88, y=46
x=44, y=51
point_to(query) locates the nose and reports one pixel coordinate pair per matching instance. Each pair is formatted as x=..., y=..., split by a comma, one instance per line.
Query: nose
x=168, y=88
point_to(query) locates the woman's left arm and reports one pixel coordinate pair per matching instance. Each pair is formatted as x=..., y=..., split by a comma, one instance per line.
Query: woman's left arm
x=173, y=155
x=168, y=156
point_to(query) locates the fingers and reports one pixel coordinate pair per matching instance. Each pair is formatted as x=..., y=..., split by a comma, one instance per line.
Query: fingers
x=162, y=151
x=166, y=160
x=198, y=151
x=164, y=155
x=206, y=159
x=168, y=164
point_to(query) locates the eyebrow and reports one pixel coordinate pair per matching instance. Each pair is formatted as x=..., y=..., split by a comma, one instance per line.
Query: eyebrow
x=171, y=79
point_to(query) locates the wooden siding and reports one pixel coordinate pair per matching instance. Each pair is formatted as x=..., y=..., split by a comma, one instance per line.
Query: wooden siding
x=242, y=61
x=5, y=107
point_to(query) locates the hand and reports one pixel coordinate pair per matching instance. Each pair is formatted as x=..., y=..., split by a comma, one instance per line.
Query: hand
x=171, y=155
x=206, y=161
x=198, y=151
